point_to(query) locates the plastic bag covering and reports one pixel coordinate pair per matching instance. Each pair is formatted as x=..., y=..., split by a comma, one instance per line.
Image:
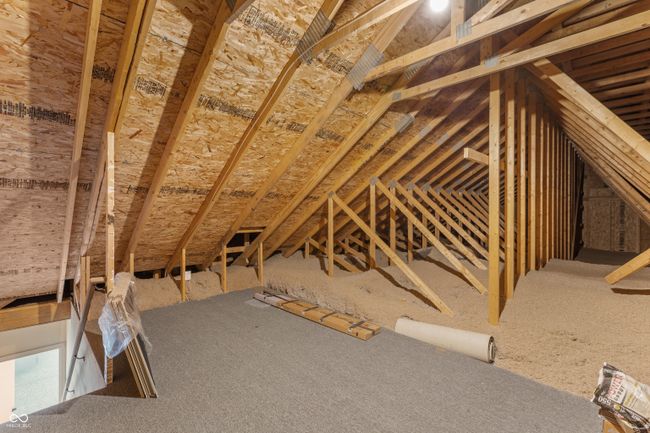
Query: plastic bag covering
x=624, y=397
x=120, y=319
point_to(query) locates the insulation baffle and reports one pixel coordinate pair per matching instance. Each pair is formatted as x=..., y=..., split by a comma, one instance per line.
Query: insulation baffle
x=368, y=60
x=318, y=27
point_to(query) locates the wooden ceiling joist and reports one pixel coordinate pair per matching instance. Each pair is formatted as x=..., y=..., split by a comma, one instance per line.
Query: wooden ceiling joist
x=92, y=28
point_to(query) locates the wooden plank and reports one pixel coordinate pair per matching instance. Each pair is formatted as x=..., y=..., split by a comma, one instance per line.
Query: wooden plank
x=637, y=263
x=345, y=323
x=330, y=236
x=260, y=263
x=522, y=158
x=494, y=273
x=420, y=285
x=182, y=277
x=90, y=44
x=539, y=29
x=392, y=222
x=373, y=224
x=213, y=45
x=37, y=313
x=532, y=182
x=224, y=270
x=509, y=90
x=457, y=11
x=110, y=211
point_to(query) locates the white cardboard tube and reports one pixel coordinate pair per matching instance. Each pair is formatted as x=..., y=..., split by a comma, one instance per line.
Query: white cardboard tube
x=474, y=344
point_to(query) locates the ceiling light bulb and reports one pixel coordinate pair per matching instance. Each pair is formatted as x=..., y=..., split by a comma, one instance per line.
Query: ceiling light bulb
x=438, y=5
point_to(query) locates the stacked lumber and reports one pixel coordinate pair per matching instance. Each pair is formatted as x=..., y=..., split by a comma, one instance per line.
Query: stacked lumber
x=135, y=354
x=341, y=322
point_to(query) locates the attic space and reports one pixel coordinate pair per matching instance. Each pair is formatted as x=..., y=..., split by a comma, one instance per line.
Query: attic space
x=325, y=215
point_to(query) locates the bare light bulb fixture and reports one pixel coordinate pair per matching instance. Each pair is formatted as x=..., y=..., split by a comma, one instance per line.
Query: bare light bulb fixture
x=438, y=5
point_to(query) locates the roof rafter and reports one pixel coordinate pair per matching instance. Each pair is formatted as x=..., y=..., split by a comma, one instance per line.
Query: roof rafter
x=262, y=114
x=379, y=109
x=135, y=33
x=213, y=46
x=92, y=28
x=522, y=41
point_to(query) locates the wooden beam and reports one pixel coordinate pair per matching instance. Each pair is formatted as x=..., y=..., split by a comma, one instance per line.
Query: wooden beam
x=110, y=211
x=501, y=63
x=373, y=225
x=182, y=279
x=347, y=266
x=529, y=36
x=330, y=236
x=522, y=158
x=135, y=35
x=457, y=12
x=424, y=231
x=509, y=85
x=395, y=259
x=90, y=44
x=637, y=263
x=478, y=32
x=260, y=263
x=213, y=45
x=224, y=270
x=37, y=313
x=380, y=43
x=494, y=272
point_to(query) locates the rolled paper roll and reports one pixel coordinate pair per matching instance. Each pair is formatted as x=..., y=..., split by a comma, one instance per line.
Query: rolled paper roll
x=474, y=344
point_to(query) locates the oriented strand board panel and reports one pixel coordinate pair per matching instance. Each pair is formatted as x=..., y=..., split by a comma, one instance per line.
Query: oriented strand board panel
x=42, y=44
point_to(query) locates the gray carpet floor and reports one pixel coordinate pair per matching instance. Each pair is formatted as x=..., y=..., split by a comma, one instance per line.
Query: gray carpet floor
x=227, y=365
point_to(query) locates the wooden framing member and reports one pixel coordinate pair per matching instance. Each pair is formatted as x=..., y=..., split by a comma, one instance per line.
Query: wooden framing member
x=478, y=32
x=92, y=27
x=224, y=270
x=213, y=45
x=493, y=7
x=494, y=272
x=532, y=182
x=510, y=118
x=342, y=263
x=450, y=216
x=260, y=263
x=330, y=236
x=395, y=259
x=37, y=313
x=425, y=231
x=372, y=249
x=380, y=42
x=135, y=33
x=182, y=277
x=110, y=211
x=528, y=37
x=637, y=263
x=522, y=143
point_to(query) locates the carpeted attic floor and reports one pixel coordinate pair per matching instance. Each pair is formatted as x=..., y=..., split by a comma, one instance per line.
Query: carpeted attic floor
x=227, y=365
